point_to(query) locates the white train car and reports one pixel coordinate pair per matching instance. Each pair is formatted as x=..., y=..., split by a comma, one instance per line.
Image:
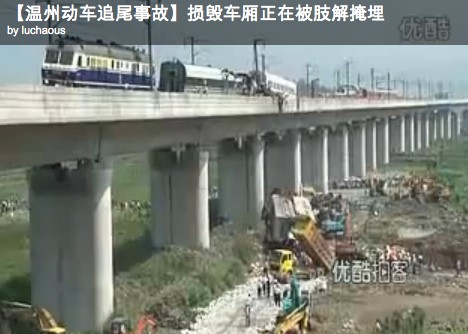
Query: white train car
x=178, y=77
x=279, y=85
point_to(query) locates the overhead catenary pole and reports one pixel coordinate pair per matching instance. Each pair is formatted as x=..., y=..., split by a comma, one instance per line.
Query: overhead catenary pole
x=307, y=80
x=49, y=24
x=419, y=89
x=150, y=46
x=388, y=85
x=347, y=77
x=263, y=64
x=192, y=40
x=372, y=75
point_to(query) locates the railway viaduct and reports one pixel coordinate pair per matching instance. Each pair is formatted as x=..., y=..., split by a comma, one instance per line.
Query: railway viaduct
x=261, y=147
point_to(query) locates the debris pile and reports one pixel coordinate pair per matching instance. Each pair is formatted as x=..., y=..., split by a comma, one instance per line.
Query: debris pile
x=331, y=212
x=422, y=187
x=351, y=183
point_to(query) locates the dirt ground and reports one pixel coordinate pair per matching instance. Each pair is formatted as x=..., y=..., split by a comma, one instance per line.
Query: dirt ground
x=363, y=305
x=355, y=308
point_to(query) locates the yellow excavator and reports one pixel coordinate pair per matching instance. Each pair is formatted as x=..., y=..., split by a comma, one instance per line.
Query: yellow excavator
x=23, y=318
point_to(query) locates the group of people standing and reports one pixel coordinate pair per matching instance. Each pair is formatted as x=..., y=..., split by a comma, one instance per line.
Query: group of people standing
x=268, y=286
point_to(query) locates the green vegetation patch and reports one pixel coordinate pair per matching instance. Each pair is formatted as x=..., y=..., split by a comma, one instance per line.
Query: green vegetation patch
x=171, y=283
x=174, y=282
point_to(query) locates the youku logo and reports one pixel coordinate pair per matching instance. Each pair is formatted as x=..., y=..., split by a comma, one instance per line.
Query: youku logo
x=364, y=272
x=425, y=29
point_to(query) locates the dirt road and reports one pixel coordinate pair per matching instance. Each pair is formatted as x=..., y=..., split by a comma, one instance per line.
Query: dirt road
x=226, y=314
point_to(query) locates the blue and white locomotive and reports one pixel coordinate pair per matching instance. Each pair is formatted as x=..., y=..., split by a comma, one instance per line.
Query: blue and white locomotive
x=73, y=62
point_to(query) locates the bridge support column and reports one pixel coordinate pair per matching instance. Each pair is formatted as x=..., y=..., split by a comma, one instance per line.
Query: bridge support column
x=418, y=117
x=323, y=159
x=179, y=198
x=334, y=154
x=441, y=119
x=283, y=162
x=315, y=159
x=71, y=243
x=240, y=171
x=456, y=124
x=448, y=125
x=345, y=151
x=434, y=126
x=296, y=142
x=425, y=130
x=359, y=149
x=371, y=145
x=338, y=153
x=409, y=133
x=383, y=141
x=402, y=133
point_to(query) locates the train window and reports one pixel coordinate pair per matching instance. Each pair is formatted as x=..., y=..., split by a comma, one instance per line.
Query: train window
x=112, y=64
x=134, y=68
x=88, y=59
x=66, y=58
x=52, y=57
x=117, y=64
x=93, y=62
x=79, y=62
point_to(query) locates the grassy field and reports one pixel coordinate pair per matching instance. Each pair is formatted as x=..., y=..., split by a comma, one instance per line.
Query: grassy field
x=168, y=283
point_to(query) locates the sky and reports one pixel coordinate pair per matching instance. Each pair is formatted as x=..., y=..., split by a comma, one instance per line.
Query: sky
x=21, y=64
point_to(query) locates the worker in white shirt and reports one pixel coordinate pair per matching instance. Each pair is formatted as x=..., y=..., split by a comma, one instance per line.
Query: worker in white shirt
x=276, y=294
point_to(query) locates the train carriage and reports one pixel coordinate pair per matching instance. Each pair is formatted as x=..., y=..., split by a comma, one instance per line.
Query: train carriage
x=279, y=85
x=72, y=62
x=177, y=76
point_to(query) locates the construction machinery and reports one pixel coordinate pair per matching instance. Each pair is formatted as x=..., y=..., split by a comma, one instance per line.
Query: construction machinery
x=312, y=242
x=23, y=318
x=283, y=263
x=294, y=216
x=146, y=325
x=295, y=315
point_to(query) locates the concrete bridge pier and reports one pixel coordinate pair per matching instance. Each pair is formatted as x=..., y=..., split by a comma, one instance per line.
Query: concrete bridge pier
x=315, y=166
x=409, y=133
x=358, y=145
x=419, y=121
x=71, y=243
x=426, y=130
x=283, y=161
x=448, y=125
x=241, y=180
x=434, y=126
x=441, y=122
x=397, y=135
x=338, y=153
x=371, y=144
x=383, y=142
x=179, y=198
x=345, y=151
x=334, y=154
x=456, y=123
